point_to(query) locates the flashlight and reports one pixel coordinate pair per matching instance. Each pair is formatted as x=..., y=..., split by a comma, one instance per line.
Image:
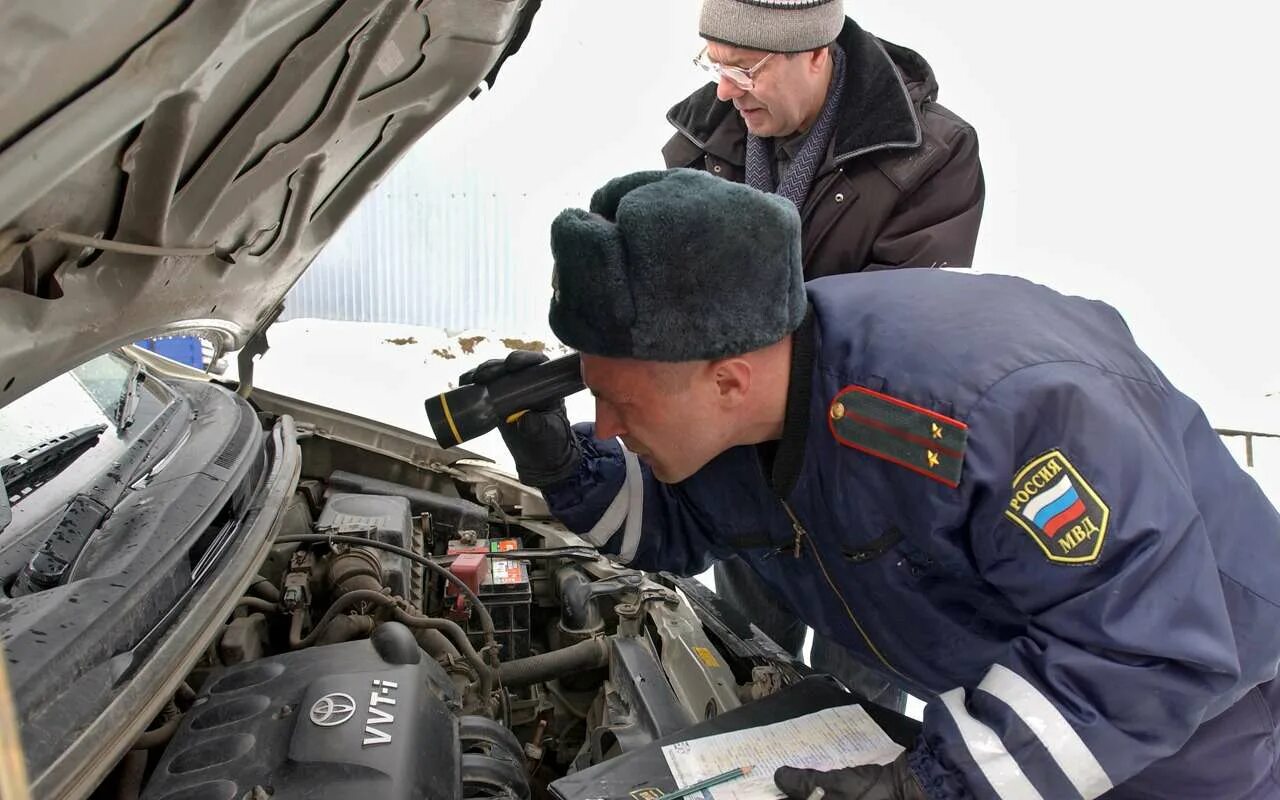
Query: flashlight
x=469, y=411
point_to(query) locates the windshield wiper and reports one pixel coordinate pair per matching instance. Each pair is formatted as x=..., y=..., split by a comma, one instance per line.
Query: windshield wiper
x=87, y=510
x=24, y=472
x=6, y=513
x=127, y=404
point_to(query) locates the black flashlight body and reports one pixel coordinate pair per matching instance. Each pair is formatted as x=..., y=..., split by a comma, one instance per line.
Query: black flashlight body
x=469, y=411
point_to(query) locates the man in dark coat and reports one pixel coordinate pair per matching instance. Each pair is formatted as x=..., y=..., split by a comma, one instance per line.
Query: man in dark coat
x=847, y=126
x=808, y=105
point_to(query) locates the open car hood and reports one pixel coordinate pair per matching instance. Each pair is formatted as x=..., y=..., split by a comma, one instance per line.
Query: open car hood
x=217, y=144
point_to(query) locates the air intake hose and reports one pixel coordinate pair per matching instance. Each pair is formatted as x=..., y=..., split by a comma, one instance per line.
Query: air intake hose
x=589, y=654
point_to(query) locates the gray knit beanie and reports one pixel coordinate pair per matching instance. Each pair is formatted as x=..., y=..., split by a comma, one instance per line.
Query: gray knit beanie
x=774, y=26
x=677, y=265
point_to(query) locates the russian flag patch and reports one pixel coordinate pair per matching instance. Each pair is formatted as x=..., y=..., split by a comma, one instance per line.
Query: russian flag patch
x=1053, y=503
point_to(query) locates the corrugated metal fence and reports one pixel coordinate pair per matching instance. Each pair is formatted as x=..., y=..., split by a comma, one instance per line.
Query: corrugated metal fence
x=435, y=245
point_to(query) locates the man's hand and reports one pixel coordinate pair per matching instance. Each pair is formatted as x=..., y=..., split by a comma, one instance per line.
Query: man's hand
x=540, y=439
x=892, y=781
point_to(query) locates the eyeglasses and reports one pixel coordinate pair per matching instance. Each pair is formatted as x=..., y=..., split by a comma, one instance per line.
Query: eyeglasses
x=744, y=79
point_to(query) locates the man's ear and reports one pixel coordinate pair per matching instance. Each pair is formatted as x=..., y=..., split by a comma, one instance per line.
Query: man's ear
x=732, y=379
x=816, y=60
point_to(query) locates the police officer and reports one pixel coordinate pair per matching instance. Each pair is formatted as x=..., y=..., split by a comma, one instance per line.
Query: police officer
x=973, y=482
x=808, y=105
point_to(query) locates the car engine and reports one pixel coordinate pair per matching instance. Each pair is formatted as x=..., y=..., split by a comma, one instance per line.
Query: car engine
x=364, y=718
x=432, y=633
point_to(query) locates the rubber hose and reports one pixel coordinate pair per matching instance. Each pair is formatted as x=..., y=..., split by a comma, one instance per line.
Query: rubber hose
x=448, y=627
x=257, y=604
x=132, y=771
x=459, y=638
x=486, y=621
x=159, y=737
x=584, y=655
x=442, y=650
x=436, y=644
x=347, y=627
x=338, y=606
x=265, y=589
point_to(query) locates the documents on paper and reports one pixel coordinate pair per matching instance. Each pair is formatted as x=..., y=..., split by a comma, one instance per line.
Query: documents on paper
x=829, y=739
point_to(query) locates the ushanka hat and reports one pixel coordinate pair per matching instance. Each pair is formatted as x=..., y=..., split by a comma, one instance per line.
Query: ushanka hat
x=677, y=265
x=775, y=26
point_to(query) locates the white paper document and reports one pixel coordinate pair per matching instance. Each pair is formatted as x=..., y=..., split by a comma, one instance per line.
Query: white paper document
x=829, y=739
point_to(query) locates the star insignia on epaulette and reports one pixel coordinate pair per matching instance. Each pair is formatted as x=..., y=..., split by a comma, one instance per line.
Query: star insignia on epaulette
x=906, y=434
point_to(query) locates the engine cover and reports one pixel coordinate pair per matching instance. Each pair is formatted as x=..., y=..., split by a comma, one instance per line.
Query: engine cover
x=371, y=718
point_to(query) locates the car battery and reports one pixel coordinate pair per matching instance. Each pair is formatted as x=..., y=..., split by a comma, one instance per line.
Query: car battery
x=504, y=588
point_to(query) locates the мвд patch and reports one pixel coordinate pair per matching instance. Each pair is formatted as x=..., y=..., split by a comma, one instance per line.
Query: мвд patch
x=1063, y=514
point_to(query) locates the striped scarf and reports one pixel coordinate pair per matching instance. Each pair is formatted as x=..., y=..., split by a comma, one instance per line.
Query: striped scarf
x=798, y=178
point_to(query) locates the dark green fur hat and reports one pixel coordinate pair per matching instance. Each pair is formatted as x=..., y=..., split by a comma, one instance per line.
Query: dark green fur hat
x=677, y=265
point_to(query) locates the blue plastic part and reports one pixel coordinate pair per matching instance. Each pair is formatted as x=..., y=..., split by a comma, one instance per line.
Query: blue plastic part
x=183, y=349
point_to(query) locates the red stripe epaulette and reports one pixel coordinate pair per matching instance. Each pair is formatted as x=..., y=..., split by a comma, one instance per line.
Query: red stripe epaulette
x=921, y=440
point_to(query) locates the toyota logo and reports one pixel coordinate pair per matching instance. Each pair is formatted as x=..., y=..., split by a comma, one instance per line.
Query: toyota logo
x=333, y=709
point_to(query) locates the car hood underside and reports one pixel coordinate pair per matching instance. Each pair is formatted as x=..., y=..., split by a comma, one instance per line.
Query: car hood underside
x=215, y=145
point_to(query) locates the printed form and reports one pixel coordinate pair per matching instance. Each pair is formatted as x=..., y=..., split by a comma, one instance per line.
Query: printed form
x=845, y=736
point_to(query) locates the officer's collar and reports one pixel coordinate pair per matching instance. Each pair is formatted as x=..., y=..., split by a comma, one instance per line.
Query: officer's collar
x=789, y=456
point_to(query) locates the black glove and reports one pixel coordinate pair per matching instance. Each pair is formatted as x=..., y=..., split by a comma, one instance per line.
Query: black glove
x=540, y=440
x=892, y=781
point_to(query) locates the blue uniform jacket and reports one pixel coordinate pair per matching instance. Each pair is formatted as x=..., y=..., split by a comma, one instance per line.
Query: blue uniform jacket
x=986, y=490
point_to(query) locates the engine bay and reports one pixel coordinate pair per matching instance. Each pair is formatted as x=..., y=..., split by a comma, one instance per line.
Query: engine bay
x=428, y=631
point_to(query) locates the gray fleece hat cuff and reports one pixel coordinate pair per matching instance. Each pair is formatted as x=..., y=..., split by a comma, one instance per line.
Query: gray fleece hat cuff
x=774, y=26
x=677, y=265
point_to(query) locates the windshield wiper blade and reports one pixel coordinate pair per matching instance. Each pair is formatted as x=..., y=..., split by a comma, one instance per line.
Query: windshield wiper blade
x=26, y=471
x=86, y=512
x=127, y=404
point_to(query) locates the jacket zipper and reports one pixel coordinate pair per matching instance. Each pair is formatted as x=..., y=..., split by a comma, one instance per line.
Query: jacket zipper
x=801, y=535
x=798, y=528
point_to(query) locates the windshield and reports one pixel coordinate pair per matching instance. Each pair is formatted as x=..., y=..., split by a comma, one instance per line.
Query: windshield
x=88, y=396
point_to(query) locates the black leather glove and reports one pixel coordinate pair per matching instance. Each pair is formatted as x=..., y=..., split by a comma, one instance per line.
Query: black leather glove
x=892, y=781
x=540, y=440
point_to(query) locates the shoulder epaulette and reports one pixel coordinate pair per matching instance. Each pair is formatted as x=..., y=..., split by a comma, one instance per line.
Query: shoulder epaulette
x=921, y=440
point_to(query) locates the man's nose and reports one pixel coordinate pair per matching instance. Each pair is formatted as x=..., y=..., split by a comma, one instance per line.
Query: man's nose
x=608, y=424
x=728, y=90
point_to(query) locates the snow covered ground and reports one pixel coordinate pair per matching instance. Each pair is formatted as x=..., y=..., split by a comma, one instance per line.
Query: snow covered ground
x=386, y=371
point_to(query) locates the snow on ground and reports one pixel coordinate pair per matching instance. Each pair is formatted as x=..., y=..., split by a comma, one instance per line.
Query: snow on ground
x=385, y=371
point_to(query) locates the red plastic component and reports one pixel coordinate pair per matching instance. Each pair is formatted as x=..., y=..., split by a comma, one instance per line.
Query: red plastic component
x=470, y=568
